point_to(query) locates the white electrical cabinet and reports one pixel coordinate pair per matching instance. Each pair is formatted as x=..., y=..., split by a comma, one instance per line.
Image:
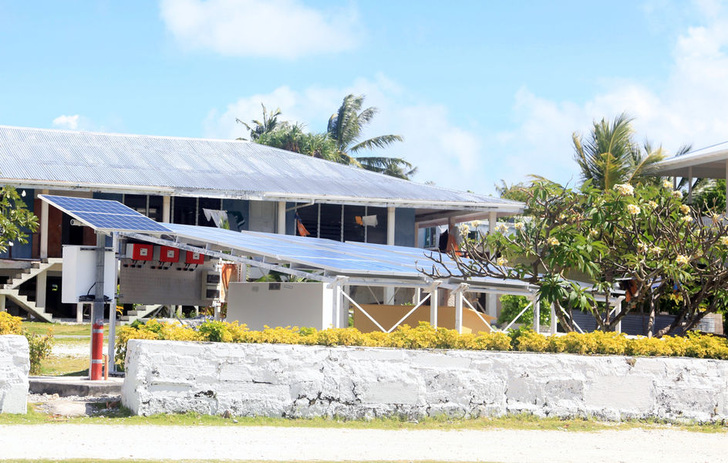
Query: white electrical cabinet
x=79, y=274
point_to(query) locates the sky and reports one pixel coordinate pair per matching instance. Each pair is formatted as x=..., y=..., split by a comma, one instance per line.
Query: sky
x=483, y=92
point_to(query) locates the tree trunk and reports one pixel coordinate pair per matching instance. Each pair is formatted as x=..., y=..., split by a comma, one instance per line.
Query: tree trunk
x=651, y=319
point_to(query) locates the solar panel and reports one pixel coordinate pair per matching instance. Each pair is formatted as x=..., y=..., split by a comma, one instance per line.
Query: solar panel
x=104, y=215
x=327, y=255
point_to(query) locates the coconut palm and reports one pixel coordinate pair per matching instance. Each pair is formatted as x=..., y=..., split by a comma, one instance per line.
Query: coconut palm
x=610, y=156
x=269, y=124
x=394, y=167
x=345, y=128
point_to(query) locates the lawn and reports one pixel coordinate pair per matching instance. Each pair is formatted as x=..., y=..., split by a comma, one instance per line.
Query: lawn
x=72, y=344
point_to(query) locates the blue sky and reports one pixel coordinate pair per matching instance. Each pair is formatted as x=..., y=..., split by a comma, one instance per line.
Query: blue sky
x=480, y=90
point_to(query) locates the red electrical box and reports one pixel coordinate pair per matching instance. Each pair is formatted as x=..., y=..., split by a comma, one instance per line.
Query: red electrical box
x=194, y=258
x=168, y=254
x=136, y=251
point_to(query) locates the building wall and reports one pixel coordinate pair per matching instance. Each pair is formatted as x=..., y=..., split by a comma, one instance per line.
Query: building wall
x=360, y=382
x=280, y=304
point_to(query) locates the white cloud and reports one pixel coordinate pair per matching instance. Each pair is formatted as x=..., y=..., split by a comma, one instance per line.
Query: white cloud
x=443, y=152
x=66, y=122
x=687, y=108
x=260, y=28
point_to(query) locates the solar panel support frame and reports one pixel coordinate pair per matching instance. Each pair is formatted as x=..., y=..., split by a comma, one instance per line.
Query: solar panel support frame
x=231, y=257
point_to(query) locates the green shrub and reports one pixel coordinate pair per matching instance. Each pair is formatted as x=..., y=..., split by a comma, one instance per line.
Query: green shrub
x=512, y=305
x=40, y=347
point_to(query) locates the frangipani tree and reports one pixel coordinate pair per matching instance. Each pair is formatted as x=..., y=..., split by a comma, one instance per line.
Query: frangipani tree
x=14, y=218
x=643, y=235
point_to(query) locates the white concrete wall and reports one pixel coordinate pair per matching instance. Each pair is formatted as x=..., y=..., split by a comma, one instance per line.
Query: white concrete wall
x=281, y=304
x=356, y=382
x=14, y=369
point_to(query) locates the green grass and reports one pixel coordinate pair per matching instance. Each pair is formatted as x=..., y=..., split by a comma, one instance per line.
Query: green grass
x=65, y=365
x=60, y=329
x=122, y=416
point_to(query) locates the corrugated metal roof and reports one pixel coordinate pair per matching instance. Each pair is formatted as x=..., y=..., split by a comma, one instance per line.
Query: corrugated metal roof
x=709, y=162
x=209, y=168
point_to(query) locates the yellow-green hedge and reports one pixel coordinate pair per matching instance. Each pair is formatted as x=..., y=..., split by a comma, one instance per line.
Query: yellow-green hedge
x=10, y=324
x=425, y=336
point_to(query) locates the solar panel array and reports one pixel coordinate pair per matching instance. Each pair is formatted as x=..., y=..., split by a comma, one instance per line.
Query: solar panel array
x=364, y=259
x=332, y=256
x=104, y=215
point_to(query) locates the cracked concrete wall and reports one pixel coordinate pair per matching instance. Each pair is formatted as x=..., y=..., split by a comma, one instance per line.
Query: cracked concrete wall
x=358, y=382
x=14, y=369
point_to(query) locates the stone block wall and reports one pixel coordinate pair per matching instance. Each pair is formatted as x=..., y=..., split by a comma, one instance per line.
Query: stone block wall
x=359, y=382
x=14, y=368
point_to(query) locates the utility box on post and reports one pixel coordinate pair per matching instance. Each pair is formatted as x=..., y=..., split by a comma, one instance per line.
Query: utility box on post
x=79, y=274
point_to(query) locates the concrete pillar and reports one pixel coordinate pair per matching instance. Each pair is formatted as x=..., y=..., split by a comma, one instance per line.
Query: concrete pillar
x=166, y=209
x=389, y=291
x=44, y=227
x=433, y=307
x=2, y=303
x=390, y=225
x=536, y=316
x=40, y=289
x=554, y=324
x=459, y=311
x=281, y=218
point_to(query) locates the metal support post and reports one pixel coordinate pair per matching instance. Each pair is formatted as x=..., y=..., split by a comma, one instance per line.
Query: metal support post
x=554, y=324
x=112, y=303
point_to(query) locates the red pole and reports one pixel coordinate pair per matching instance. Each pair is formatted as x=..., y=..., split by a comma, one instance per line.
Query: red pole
x=97, y=348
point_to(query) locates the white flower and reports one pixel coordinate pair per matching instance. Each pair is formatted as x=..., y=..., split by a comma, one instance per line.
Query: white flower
x=667, y=183
x=519, y=225
x=682, y=260
x=501, y=228
x=501, y=261
x=656, y=250
x=641, y=247
x=553, y=241
x=475, y=223
x=684, y=208
x=724, y=240
x=677, y=194
x=686, y=219
x=464, y=229
x=651, y=204
x=593, y=232
x=624, y=189
x=633, y=209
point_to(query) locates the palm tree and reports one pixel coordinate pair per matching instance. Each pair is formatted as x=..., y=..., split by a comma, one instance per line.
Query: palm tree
x=610, y=156
x=345, y=128
x=269, y=124
x=394, y=167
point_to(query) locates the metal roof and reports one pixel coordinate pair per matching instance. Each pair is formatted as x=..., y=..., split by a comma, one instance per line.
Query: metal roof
x=709, y=162
x=65, y=160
